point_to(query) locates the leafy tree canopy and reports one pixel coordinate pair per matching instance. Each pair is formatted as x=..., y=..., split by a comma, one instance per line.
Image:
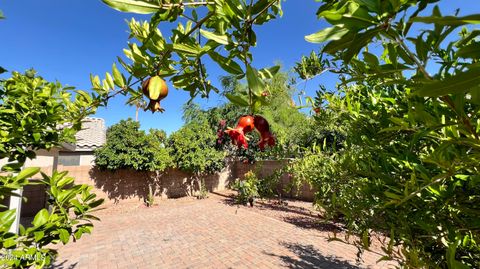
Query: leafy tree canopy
x=128, y=147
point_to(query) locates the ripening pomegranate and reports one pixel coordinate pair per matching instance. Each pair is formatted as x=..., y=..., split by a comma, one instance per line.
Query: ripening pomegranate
x=155, y=89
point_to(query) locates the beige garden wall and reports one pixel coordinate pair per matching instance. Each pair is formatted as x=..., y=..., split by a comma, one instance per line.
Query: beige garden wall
x=125, y=186
x=132, y=186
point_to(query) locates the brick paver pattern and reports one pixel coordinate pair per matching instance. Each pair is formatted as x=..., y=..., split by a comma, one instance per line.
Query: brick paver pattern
x=205, y=234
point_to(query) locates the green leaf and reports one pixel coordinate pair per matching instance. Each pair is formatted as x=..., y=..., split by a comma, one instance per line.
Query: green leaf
x=10, y=242
x=458, y=83
x=36, y=137
x=109, y=80
x=340, y=44
x=133, y=6
x=38, y=235
x=470, y=51
x=6, y=219
x=2, y=70
x=41, y=218
x=117, y=77
x=331, y=33
x=371, y=59
x=259, y=6
x=189, y=49
x=222, y=39
x=64, y=235
x=267, y=73
x=371, y=5
x=254, y=82
x=449, y=20
x=27, y=172
x=392, y=195
x=359, y=41
x=226, y=64
x=96, y=203
x=95, y=81
x=238, y=100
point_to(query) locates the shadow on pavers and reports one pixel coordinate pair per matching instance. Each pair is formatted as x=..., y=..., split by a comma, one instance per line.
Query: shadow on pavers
x=306, y=256
x=62, y=265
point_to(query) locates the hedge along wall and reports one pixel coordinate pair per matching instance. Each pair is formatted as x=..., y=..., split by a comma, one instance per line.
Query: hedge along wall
x=129, y=185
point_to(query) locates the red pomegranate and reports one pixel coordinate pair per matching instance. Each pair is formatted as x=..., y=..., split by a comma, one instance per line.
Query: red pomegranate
x=266, y=137
x=245, y=125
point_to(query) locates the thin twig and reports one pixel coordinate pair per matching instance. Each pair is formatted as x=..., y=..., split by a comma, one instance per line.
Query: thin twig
x=205, y=3
x=263, y=10
x=438, y=180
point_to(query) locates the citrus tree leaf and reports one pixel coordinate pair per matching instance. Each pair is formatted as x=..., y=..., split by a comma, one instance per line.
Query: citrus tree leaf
x=41, y=218
x=6, y=219
x=64, y=235
x=27, y=172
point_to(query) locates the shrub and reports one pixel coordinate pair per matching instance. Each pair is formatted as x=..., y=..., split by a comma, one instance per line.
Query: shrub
x=128, y=147
x=31, y=111
x=247, y=188
x=193, y=149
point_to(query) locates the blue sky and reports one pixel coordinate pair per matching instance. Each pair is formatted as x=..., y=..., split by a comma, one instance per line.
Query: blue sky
x=69, y=40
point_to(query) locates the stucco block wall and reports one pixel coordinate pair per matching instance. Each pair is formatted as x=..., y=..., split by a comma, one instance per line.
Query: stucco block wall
x=124, y=186
x=44, y=159
x=128, y=185
x=87, y=158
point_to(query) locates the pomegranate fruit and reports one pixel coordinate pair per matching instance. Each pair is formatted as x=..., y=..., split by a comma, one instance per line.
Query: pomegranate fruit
x=155, y=89
x=266, y=137
x=245, y=125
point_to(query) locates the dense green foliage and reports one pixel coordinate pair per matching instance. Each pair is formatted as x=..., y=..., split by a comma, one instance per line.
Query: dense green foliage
x=128, y=147
x=36, y=114
x=409, y=165
x=193, y=148
x=32, y=110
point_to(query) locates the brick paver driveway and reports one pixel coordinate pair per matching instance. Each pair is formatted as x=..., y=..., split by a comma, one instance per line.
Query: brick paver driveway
x=204, y=234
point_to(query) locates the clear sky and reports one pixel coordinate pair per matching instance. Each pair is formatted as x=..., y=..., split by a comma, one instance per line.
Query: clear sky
x=69, y=40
